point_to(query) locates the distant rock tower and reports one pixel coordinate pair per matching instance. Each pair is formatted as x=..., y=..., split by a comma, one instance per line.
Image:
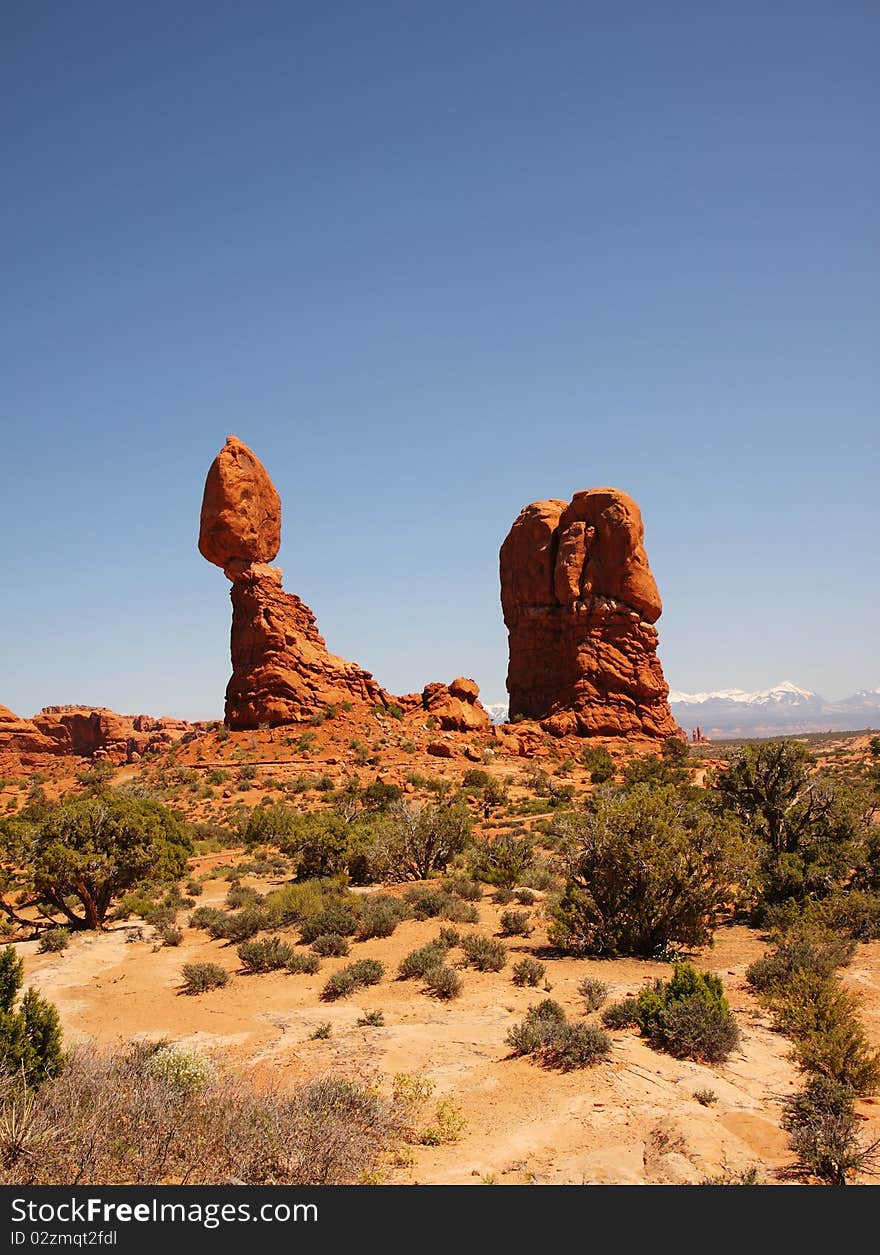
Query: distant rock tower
x=580, y=602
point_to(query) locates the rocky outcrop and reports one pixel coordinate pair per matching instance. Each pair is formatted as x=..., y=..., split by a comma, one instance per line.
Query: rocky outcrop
x=282, y=671
x=580, y=602
x=456, y=706
x=84, y=732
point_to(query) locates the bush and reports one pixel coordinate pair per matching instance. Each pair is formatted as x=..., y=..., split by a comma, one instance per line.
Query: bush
x=340, y=918
x=803, y=949
x=648, y=871
x=209, y=919
x=503, y=897
x=688, y=1016
x=379, y=917
x=525, y=897
x=822, y=1126
x=240, y=895
x=528, y=972
x=111, y=1119
x=53, y=940
x=371, y=1019
x=503, y=859
x=266, y=955
x=599, y=763
x=244, y=924
x=577, y=1046
x=426, y=903
x=331, y=945
x=459, y=912
x=348, y=979
x=538, y=1028
x=302, y=964
x=821, y=1017
x=486, y=954
x=443, y=982
x=623, y=1014
x=412, y=841
x=200, y=977
x=339, y=985
x=169, y=934
x=516, y=924
x=30, y=1037
x=419, y=962
x=449, y=937
x=594, y=992
x=462, y=887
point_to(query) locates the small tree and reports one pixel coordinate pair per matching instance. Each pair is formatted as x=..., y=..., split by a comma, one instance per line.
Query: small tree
x=89, y=851
x=30, y=1037
x=648, y=870
x=412, y=841
x=809, y=831
x=822, y=1127
x=502, y=860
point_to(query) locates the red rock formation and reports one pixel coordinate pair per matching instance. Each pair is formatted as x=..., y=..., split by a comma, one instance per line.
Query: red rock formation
x=456, y=706
x=282, y=671
x=83, y=732
x=579, y=601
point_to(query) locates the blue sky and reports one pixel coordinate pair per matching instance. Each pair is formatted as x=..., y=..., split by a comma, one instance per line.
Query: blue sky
x=433, y=262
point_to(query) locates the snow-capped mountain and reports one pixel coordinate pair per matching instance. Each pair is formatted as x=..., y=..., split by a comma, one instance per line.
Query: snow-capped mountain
x=785, y=708
x=497, y=711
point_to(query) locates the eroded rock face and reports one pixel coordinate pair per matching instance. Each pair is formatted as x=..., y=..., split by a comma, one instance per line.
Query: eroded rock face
x=580, y=602
x=282, y=671
x=84, y=732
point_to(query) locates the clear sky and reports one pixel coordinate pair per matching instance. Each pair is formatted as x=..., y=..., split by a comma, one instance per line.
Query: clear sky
x=433, y=261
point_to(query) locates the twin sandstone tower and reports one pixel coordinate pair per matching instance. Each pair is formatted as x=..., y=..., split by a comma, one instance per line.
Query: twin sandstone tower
x=578, y=597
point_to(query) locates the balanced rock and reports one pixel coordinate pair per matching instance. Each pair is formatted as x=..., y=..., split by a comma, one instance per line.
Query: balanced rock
x=580, y=602
x=282, y=671
x=241, y=510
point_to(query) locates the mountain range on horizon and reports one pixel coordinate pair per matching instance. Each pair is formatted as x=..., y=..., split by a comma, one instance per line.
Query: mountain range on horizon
x=783, y=709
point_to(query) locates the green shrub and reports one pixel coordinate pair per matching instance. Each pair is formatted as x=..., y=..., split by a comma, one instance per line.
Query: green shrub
x=379, y=916
x=462, y=887
x=200, y=977
x=30, y=1037
x=169, y=934
x=331, y=945
x=503, y=897
x=649, y=871
x=821, y=1017
x=209, y=919
x=525, y=897
x=419, y=962
x=53, y=940
x=705, y=1097
x=302, y=964
x=822, y=1126
x=426, y=903
x=503, y=859
x=577, y=1046
x=339, y=985
x=244, y=924
x=443, y=982
x=599, y=763
x=194, y=888
x=338, y=918
x=268, y=954
x=528, y=972
x=459, y=912
x=804, y=948
x=688, y=1016
x=449, y=937
x=371, y=1019
x=348, y=979
x=240, y=895
x=594, y=992
x=486, y=954
x=536, y=1031
x=516, y=924
x=623, y=1014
